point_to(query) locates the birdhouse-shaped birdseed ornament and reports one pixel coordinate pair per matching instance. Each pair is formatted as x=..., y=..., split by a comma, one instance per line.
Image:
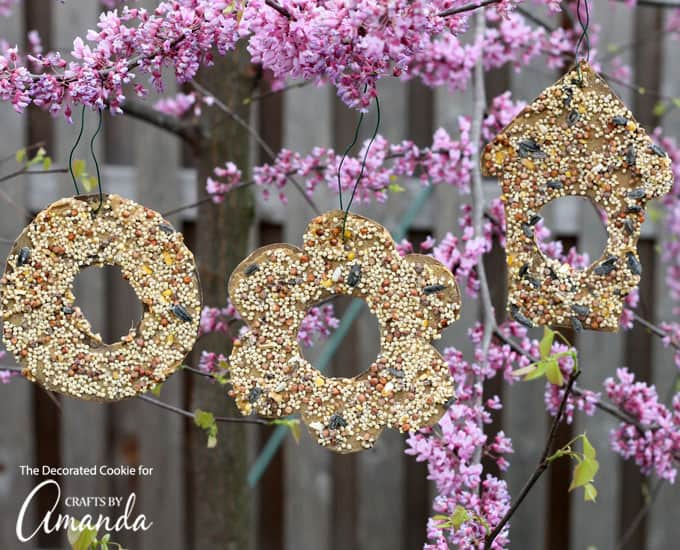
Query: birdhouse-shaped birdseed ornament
x=577, y=138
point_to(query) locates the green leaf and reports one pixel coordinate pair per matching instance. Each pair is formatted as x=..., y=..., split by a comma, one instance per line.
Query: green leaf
x=460, y=515
x=79, y=168
x=47, y=163
x=293, y=424
x=206, y=420
x=80, y=539
x=553, y=372
x=590, y=492
x=584, y=473
x=546, y=342
x=89, y=182
x=541, y=367
x=660, y=108
x=20, y=155
x=156, y=390
x=588, y=450
x=396, y=188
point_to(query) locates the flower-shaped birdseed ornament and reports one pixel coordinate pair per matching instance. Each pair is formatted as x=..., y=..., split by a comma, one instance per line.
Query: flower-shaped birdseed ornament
x=48, y=333
x=577, y=138
x=414, y=298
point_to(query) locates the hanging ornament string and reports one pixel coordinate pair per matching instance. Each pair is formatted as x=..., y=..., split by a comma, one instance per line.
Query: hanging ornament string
x=73, y=150
x=92, y=152
x=583, y=43
x=346, y=152
x=363, y=165
x=96, y=163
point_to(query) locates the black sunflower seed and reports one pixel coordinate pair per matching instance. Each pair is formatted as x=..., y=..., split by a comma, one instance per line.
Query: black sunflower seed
x=524, y=270
x=24, y=256
x=67, y=310
x=631, y=156
x=518, y=316
x=633, y=264
x=533, y=220
x=433, y=289
x=534, y=282
x=637, y=194
x=568, y=95
x=354, y=275
x=254, y=394
x=252, y=268
x=397, y=373
x=166, y=228
x=528, y=147
x=554, y=184
x=528, y=230
x=628, y=226
x=620, y=120
x=336, y=421
x=657, y=150
x=633, y=209
x=572, y=118
x=606, y=267
x=181, y=313
x=583, y=311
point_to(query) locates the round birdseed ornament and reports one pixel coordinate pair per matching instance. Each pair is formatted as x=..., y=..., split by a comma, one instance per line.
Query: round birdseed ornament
x=577, y=138
x=413, y=298
x=48, y=333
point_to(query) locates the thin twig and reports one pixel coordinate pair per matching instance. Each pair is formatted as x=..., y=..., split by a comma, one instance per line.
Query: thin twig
x=25, y=171
x=542, y=464
x=642, y=512
x=283, y=11
x=654, y=329
x=199, y=372
x=188, y=131
x=256, y=136
x=189, y=414
x=270, y=93
x=467, y=7
x=488, y=315
x=28, y=148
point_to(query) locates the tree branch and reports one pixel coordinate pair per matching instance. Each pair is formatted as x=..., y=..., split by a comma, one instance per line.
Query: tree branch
x=189, y=132
x=467, y=7
x=189, y=414
x=542, y=464
x=283, y=11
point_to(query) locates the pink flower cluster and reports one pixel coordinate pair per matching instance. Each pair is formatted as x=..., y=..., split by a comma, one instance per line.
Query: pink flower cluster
x=230, y=177
x=447, y=161
x=452, y=450
x=182, y=34
x=656, y=448
x=6, y=7
x=350, y=44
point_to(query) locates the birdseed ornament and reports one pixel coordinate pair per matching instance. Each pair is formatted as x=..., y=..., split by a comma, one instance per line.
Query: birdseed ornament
x=50, y=336
x=576, y=139
x=413, y=297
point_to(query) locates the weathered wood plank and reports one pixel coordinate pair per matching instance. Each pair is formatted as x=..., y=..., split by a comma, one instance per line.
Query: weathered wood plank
x=16, y=399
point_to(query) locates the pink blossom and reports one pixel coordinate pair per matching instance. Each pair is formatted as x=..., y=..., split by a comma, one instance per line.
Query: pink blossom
x=656, y=446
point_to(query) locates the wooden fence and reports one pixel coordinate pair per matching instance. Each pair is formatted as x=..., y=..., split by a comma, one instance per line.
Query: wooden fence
x=310, y=499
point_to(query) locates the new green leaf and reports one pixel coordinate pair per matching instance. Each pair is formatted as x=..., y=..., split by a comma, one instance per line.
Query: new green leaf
x=206, y=421
x=546, y=342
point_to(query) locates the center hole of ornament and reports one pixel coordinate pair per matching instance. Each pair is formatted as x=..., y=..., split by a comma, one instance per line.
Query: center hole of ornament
x=357, y=350
x=573, y=229
x=107, y=301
